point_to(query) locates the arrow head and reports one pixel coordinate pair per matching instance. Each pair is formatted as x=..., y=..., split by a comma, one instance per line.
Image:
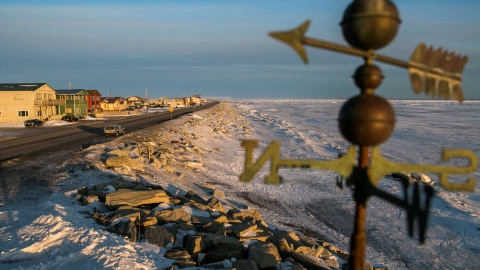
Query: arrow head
x=294, y=38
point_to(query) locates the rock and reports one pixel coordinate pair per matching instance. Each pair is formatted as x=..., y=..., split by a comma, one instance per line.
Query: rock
x=240, y=229
x=135, y=198
x=264, y=254
x=117, y=161
x=159, y=236
x=332, y=262
x=184, y=264
x=219, y=194
x=194, y=197
x=292, y=236
x=194, y=245
x=253, y=216
x=172, y=216
x=224, y=251
x=118, y=152
x=214, y=203
x=168, y=169
x=213, y=227
x=192, y=164
x=88, y=199
x=308, y=262
x=245, y=265
x=149, y=221
x=211, y=240
x=177, y=253
x=283, y=248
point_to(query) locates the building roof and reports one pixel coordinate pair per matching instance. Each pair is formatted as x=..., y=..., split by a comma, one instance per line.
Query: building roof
x=110, y=100
x=21, y=86
x=69, y=91
x=93, y=93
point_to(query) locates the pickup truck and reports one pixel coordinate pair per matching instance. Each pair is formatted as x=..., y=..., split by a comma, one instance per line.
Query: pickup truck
x=113, y=130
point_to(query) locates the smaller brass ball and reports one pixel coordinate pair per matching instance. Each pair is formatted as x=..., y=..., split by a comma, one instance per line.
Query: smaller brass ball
x=370, y=24
x=366, y=120
x=368, y=76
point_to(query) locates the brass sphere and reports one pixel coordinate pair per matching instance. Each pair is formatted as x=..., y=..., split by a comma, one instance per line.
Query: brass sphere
x=366, y=120
x=368, y=76
x=370, y=24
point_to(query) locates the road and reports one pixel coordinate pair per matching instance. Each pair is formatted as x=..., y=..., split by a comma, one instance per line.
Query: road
x=43, y=140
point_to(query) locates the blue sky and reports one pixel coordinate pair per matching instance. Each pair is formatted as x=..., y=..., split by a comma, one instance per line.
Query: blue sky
x=216, y=48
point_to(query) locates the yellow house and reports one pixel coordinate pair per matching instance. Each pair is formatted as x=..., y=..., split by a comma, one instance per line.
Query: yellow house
x=113, y=104
x=175, y=102
x=23, y=101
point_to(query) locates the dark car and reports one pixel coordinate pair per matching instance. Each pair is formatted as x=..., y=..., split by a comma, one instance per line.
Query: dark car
x=33, y=123
x=70, y=118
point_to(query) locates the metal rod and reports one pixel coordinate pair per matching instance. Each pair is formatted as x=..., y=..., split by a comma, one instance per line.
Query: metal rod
x=382, y=58
x=358, y=239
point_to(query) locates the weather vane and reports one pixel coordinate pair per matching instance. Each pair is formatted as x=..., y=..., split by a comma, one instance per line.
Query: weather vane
x=367, y=120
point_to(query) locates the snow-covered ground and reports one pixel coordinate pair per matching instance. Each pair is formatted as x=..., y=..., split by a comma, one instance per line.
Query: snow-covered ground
x=44, y=227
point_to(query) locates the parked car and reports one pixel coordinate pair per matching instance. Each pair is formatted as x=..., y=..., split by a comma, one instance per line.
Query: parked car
x=70, y=118
x=33, y=123
x=113, y=130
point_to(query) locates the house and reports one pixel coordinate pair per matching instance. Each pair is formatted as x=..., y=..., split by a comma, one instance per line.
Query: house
x=195, y=100
x=75, y=102
x=22, y=101
x=135, y=101
x=113, y=104
x=175, y=102
x=93, y=101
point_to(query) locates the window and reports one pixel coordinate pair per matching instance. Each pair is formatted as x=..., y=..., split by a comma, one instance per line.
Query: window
x=39, y=96
x=18, y=97
x=39, y=113
x=50, y=96
x=22, y=113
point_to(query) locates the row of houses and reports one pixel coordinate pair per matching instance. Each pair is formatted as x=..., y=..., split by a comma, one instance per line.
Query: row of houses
x=20, y=102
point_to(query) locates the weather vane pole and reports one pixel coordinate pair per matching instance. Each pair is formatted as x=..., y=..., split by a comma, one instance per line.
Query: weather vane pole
x=367, y=120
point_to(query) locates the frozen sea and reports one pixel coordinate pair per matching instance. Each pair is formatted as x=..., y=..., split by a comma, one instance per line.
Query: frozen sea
x=309, y=130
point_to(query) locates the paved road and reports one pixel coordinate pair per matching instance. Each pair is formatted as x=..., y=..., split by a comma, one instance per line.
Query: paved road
x=43, y=139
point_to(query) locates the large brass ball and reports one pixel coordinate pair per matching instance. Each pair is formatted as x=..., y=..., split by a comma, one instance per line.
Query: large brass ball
x=366, y=120
x=370, y=24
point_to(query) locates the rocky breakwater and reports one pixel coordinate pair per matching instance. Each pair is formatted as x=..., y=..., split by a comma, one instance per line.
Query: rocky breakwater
x=198, y=232
x=201, y=232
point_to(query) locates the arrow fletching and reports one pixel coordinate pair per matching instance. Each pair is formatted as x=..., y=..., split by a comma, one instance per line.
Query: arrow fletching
x=436, y=72
x=293, y=38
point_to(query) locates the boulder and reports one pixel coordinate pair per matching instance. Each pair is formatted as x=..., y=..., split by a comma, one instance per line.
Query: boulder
x=264, y=254
x=224, y=251
x=214, y=203
x=118, y=152
x=213, y=227
x=219, y=194
x=159, y=236
x=253, y=216
x=117, y=161
x=172, y=216
x=308, y=262
x=211, y=240
x=194, y=245
x=194, y=197
x=88, y=199
x=177, y=253
x=245, y=265
x=122, y=197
